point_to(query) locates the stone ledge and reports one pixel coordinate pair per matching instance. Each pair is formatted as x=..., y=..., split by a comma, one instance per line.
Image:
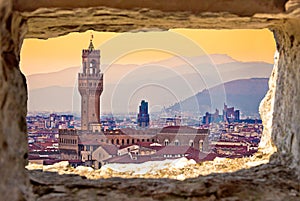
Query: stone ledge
x=265, y=182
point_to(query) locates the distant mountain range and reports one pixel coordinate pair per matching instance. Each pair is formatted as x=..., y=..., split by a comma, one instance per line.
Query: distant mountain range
x=244, y=94
x=161, y=83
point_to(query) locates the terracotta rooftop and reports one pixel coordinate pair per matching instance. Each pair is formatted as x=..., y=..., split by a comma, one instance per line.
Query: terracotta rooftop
x=148, y=131
x=110, y=149
x=173, y=150
x=183, y=129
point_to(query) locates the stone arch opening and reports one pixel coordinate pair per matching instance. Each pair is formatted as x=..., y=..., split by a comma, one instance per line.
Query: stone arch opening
x=171, y=143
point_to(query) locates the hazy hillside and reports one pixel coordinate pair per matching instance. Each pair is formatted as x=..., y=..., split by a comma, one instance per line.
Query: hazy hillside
x=222, y=66
x=54, y=98
x=162, y=83
x=245, y=94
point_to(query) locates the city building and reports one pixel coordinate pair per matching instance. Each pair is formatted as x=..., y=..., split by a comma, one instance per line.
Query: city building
x=184, y=136
x=90, y=86
x=143, y=116
x=212, y=118
x=68, y=144
x=229, y=116
x=97, y=144
x=172, y=121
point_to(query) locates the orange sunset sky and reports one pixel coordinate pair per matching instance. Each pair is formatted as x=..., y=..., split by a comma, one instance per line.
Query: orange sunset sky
x=42, y=56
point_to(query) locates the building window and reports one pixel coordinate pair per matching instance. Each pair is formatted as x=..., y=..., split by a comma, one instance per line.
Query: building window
x=123, y=142
x=166, y=142
x=201, y=145
x=112, y=141
x=132, y=141
x=176, y=142
x=191, y=143
x=117, y=141
x=128, y=141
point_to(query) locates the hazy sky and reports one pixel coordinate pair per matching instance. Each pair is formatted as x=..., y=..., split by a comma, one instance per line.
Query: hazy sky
x=42, y=56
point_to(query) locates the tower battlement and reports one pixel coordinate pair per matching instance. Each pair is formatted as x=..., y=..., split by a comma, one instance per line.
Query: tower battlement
x=83, y=75
x=87, y=52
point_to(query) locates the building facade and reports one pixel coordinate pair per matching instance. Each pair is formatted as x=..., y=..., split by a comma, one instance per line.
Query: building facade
x=68, y=144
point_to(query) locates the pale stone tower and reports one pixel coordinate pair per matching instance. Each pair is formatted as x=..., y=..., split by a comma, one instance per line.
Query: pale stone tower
x=90, y=86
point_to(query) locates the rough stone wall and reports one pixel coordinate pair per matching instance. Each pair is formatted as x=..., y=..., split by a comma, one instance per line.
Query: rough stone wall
x=13, y=107
x=286, y=116
x=239, y=7
x=266, y=109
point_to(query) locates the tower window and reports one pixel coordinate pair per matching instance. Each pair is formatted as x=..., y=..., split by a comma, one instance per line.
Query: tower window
x=191, y=143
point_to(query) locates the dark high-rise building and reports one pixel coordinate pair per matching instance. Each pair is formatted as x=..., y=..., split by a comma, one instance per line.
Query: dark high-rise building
x=90, y=86
x=143, y=116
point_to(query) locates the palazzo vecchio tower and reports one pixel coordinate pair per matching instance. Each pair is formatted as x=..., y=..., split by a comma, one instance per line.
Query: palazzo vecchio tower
x=90, y=86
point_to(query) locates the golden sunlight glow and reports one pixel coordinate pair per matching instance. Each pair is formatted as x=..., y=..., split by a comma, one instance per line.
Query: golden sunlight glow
x=42, y=56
